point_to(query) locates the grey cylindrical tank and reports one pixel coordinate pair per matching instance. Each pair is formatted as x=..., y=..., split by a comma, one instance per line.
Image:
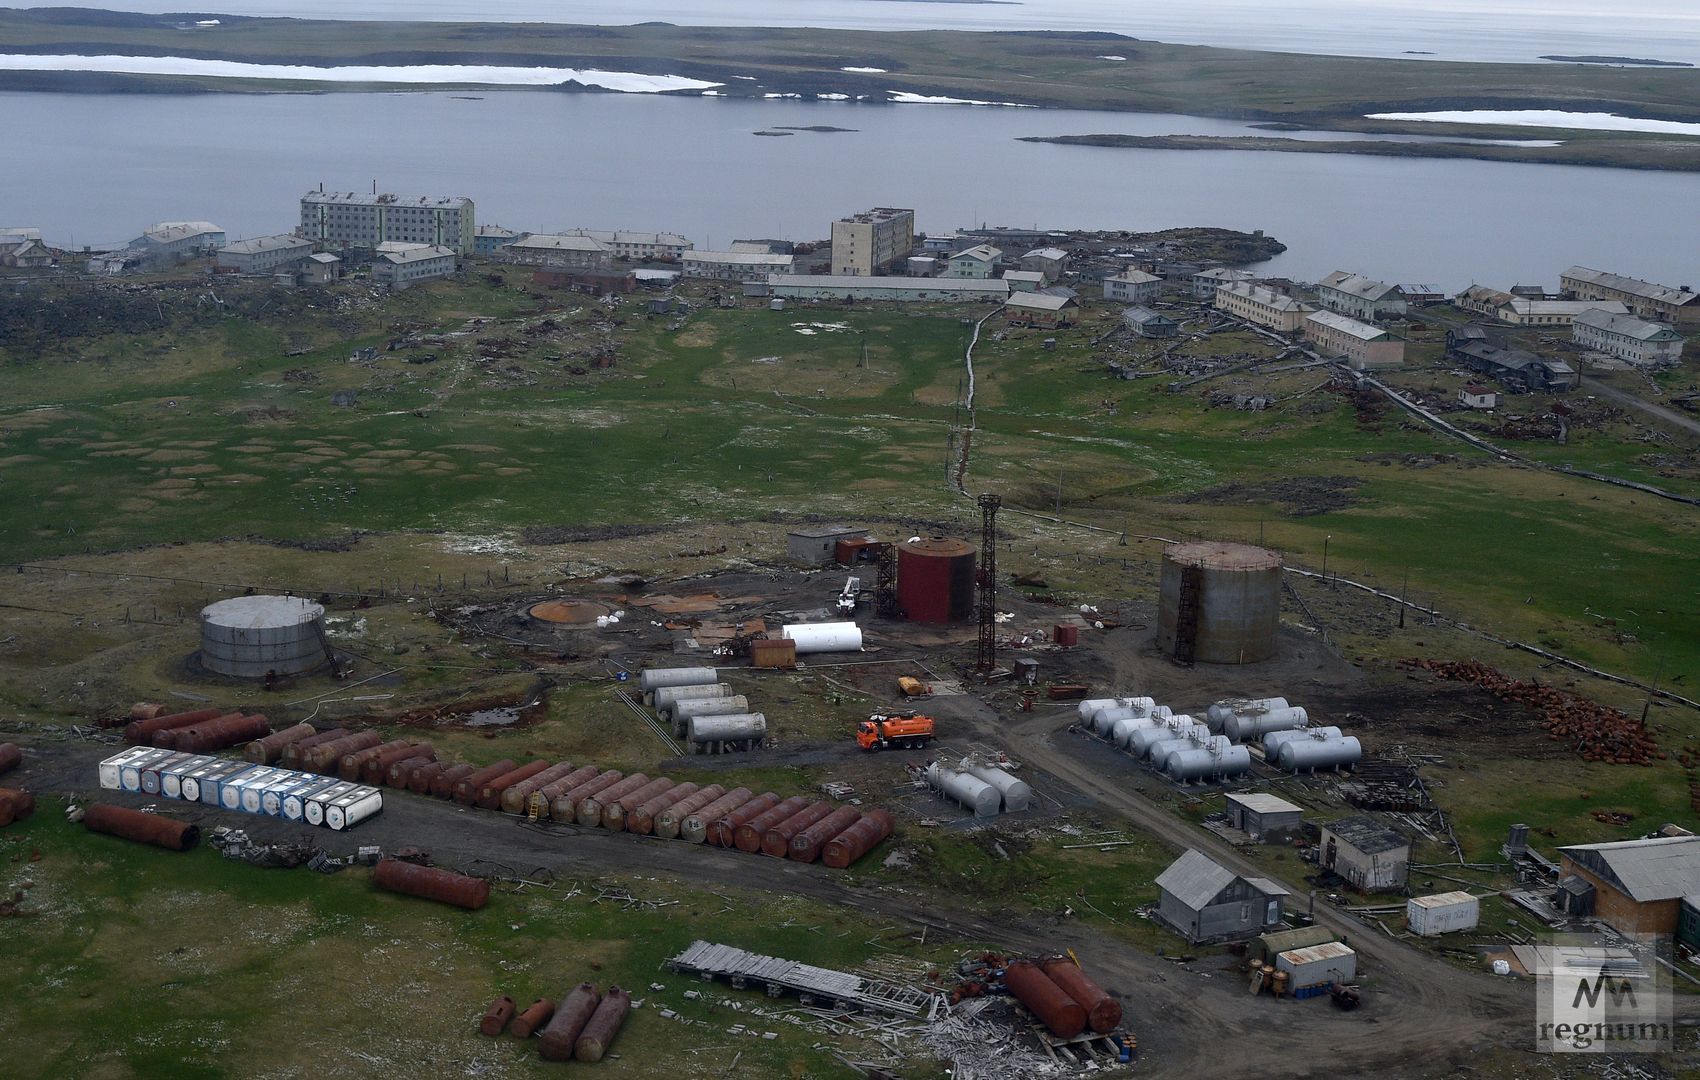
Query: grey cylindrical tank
x=1122, y=733
x=973, y=793
x=1238, y=613
x=1273, y=741
x=685, y=708
x=1163, y=751
x=1208, y=762
x=1244, y=727
x=1104, y=720
x=1162, y=712
x=251, y=636
x=713, y=732
x=1015, y=793
x=1303, y=754
x=1178, y=727
x=1218, y=715
x=667, y=695
x=655, y=678
x=1092, y=705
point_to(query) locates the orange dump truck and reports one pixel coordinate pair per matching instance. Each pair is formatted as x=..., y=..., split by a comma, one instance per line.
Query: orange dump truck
x=878, y=732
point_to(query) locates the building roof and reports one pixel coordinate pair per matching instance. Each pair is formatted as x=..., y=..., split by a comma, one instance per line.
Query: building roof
x=1634, y=286
x=1144, y=315
x=417, y=254
x=641, y=239
x=1523, y=306
x=1419, y=289
x=1367, y=834
x=282, y=241
x=991, y=286
x=558, y=242
x=1263, y=803
x=10, y=233
x=361, y=198
x=1299, y=937
x=1034, y=276
x=878, y=213
x=1357, y=285
x=165, y=232
x=1663, y=868
x=1486, y=294
x=1345, y=325
x=1628, y=325
x=739, y=258
x=1269, y=298
x=1328, y=950
x=493, y=230
x=1195, y=879
x=979, y=253
x=1445, y=899
x=1040, y=301
x=324, y=257
x=825, y=532
x=1052, y=253
x=1225, y=274
x=1134, y=277
x=1477, y=390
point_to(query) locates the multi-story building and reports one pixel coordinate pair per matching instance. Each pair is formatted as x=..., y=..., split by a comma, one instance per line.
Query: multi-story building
x=979, y=261
x=1025, y=280
x=1642, y=343
x=873, y=242
x=1133, y=287
x=356, y=220
x=174, y=241
x=735, y=265
x=637, y=245
x=1482, y=300
x=1360, y=297
x=489, y=239
x=1262, y=306
x=402, y=269
x=1644, y=298
x=558, y=251
x=263, y=255
x=1050, y=261
x=1519, y=312
x=1364, y=346
x=1206, y=282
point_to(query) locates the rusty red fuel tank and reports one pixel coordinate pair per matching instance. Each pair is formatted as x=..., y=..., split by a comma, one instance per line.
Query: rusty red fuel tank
x=10, y=757
x=777, y=842
x=603, y=1025
x=167, y=738
x=806, y=845
x=432, y=883
x=377, y=767
x=857, y=840
x=1045, y=999
x=323, y=758
x=465, y=790
x=269, y=750
x=496, y=1017
x=489, y=794
x=141, y=731
x=668, y=821
x=748, y=836
x=443, y=784
x=400, y=772
x=548, y=792
x=516, y=796
x=564, y=807
x=616, y=811
x=141, y=710
x=1103, y=1012
x=641, y=819
x=294, y=755
x=353, y=765
x=15, y=805
x=134, y=825
x=723, y=828
x=420, y=779
x=532, y=1018
x=218, y=734
x=693, y=829
x=564, y=1028
x=589, y=812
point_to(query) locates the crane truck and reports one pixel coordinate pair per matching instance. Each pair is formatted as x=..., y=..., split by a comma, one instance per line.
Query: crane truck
x=881, y=730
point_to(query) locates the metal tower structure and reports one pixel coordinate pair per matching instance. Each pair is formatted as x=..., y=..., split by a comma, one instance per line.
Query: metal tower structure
x=885, y=584
x=988, y=581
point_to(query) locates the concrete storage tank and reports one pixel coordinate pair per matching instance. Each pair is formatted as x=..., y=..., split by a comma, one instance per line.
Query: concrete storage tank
x=974, y=794
x=1218, y=715
x=1015, y=793
x=935, y=580
x=1299, y=755
x=1244, y=727
x=250, y=637
x=1273, y=741
x=1234, y=610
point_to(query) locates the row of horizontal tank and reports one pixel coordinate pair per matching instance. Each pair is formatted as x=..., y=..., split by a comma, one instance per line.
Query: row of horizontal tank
x=242, y=786
x=1187, y=749
x=705, y=712
x=984, y=790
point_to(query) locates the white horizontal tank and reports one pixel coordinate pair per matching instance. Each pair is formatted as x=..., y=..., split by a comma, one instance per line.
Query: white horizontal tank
x=1014, y=792
x=824, y=637
x=973, y=793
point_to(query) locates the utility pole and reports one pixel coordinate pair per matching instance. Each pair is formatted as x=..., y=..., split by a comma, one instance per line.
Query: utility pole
x=1405, y=585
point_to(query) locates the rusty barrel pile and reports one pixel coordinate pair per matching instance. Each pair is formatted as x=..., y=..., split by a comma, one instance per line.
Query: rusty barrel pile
x=268, y=790
x=582, y=1028
x=1062, y=996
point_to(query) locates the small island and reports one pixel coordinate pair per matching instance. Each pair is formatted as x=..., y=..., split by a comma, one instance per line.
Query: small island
x=1618, y=61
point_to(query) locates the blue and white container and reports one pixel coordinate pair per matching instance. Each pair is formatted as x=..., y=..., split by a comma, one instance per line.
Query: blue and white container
x=153, y=778
x=271, y=796
x=171, y=778
x=112, y=769
x=319, y=801
x=294, y=806
x=353, y=808
x=233, y=793
x=189, y=783
x=213, y=780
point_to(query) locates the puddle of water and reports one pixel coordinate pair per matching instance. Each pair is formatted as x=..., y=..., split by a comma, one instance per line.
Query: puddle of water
x=504, y=717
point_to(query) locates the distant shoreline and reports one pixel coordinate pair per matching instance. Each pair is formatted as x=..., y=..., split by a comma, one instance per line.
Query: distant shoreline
x=1615, y=61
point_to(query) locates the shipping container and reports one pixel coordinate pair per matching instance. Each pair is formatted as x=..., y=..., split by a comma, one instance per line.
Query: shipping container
x=319, y=801
x=351, y=809
x=213, y=780
x=295, y=802
x=1431, y=916
x=110, y=769
x=1319, y=965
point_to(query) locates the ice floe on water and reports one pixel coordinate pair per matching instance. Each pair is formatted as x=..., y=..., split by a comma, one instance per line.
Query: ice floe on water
x=623, y=81
x=864, y=70
x=903, y=97
x=1555, y=118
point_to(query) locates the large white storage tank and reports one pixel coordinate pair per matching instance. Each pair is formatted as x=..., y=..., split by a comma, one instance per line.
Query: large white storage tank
x=1298, y=755
x=1218, y=715
x=973, y=793
x=1015, y=792
x=824, y=637
x=1176, y=727
x=1273, y=741
x=250, y=637
x=1244, y=727
x=655, y=678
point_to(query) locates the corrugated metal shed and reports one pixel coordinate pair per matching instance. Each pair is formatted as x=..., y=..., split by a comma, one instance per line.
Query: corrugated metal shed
x=1663, y=868
x=1259, y=802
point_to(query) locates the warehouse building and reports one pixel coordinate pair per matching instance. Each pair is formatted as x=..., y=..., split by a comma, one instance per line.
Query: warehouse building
x=1636, y=886
x=735, y=265
x=1644, y=298
x=1522, y=312
x=174, y=241
x=404, y=269
x=263, y=255
x=1133, y=287
x=357, y=220
x=873, y=242
x=1642, y=343
x=1265, y=307
x=1040, y=309
x=1482, y=300
x=1205, y=901
x=907, y=289
x=1360, y=297
x=1364, y=347
x=559, y=251
x=1264, y=817
x=1149, y=324
x=819, y=546
x=637, y=245
x=1370, y=856
x=1024, y=280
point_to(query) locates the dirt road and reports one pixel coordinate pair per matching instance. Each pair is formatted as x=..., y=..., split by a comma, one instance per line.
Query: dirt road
x=1671, y=417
